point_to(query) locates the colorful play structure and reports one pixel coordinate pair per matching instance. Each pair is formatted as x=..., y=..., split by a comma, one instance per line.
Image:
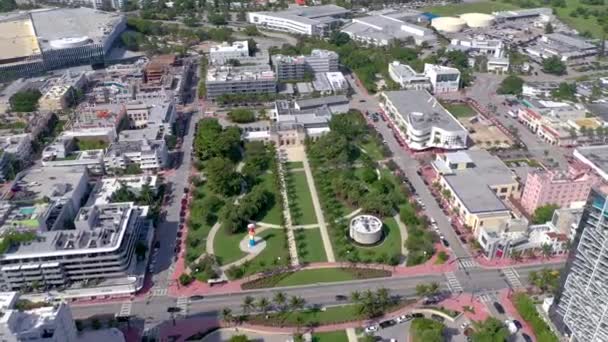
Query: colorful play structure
x=251, y=229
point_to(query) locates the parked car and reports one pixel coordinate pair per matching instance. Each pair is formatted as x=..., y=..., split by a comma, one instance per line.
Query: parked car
x=341, y=297
x=445, y=242
x=371, y=329
x=417, y=315
x=499, y=308
x=518, y=324
x=511, y=326
x=437, y=318
x=404, y=318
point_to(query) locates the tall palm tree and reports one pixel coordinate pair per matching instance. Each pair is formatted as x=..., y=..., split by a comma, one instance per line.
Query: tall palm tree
x=355, y=296
x=248, y=304
x=433, y=287
x=280, y=299
x=263, y=305
x=383, y=297
x=296, y=303
x=227, y=315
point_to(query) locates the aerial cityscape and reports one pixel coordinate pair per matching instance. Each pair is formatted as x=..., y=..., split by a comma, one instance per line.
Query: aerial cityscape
x=321, y=171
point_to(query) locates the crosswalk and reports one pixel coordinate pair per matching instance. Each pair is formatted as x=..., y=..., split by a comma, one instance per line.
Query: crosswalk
x=182, y=303
x=512, y=278
x=159, y=292
x=467, y=263
x=485, y=298
x=453, y=282
x=125, y=309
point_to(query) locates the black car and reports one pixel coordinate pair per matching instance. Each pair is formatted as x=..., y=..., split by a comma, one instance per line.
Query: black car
x=445, y=242
x=196, y=297
x=527, y=338
x=518, y=324
x=387, y=324
x=499, y=308
x=417, y=315
x=437, y=318
x=341, y=297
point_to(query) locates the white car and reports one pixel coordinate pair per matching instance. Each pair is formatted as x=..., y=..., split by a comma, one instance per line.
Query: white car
x=403, y=318
x=464, y=325
x=371, y=329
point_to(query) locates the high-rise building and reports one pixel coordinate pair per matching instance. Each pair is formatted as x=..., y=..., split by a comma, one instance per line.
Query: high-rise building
x=580, y=307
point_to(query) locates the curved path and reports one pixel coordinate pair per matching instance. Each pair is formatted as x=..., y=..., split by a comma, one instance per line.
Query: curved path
x=252, y=252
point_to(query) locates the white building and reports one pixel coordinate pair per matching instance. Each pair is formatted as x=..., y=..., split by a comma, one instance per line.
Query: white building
x=144, y=114
x=222, y=53
x=538, y=89
x=498, y=64
x=423, y=122
x=380, y=30
x=337, y=81
x=490, y=47
x=310, y=21
x=99, y=252
x=149, y=155
x=18, y=145
x=407, y=78
x=53, y=323
x=443, y=79
x=107, y=186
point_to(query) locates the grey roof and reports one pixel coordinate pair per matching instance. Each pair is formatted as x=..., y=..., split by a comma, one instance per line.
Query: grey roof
x=422, y=111
x=598, y=155
x=73, y=23
x=599, y=109
x=314, y=117
x=390, y=28
x=311, y=15
x=572, y=41
x=122, y=147
x=472, y=185
x=322, y=101
x=36, y=183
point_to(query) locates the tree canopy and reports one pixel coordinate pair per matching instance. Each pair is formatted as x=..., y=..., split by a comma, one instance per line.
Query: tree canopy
x=7, y=5
x=222, y=177
x=544, y=214
x=241, y=115
x=512, y=85
x=565, y=91
x=554, y=65
x=25, y=101
x=426, y=330
x=212, y=140
x=490, y=330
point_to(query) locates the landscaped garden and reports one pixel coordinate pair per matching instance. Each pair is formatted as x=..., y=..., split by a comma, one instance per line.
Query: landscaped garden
x=310, y=245
x=313, y=276
x=348, y=179
x=300, y=201
x=527, y=309
x=459, y=110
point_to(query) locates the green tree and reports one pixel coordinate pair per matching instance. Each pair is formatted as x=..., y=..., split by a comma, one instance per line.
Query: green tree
x=239, y=338
x=511, y=85
x=490, y=330
x=216, y=18
x=251, y=31
x=248, y=304
x=548, y=28
x=565, y=91
x=426, y=330
x=222, y=177
x=554, y=65
x=241, y=115
x=25, y=101
x=339, y=38
x=544, y=214
x=185, y=279
x=7, y=5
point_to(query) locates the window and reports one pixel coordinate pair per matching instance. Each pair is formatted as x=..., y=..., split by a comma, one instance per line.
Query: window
x=503, y=190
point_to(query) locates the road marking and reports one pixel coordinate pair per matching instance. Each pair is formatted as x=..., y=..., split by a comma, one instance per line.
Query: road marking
x=485, y=298
x=125, y=309
x=453, y=282
x=467, y=263
x=512, y=278
x=182, y=303
x=159, y=292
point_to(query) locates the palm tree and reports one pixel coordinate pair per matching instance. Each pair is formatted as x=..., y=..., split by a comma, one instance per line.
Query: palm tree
x=547, y=250
x=433, y=287
x=227, y=315
x=296, y=303
x=263, y=305
x=248, y=304
x=280, y=299
x=355, y=296
x=383, y=298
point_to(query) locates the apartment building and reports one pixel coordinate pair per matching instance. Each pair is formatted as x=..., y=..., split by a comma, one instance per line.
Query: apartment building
x=144, y=114
x=423, y=122
x=52, y=323
x=478, y=184
x=100, y=246
x=579, y=306
x=595, y=157
x=443, y=79
x=220, y=54
x=240, y=80
x=294, y=68
x=562, y=188
x=57, y=98
x=149, y=155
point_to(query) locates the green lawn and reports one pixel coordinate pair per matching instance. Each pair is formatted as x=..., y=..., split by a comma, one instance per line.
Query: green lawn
x=275, y=250
x=200, y=230
x=294, y=165
x=461, y=8
x=300, y=201
x=391, y=244
x=331, y=336
x=313, y=276
x=334, y=314
x=310, y=245
x=580, y=23
x=226, y=246
x=460, y=110
x=272, y=216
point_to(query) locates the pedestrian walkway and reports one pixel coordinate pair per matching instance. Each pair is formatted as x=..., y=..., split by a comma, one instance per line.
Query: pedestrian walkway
x=182, y=304
x=159, y=292
x=512, y=278
x=467, y=263
x=453, y=282
x=318, y=212
x=125, y=309
x=291, y=238
x=352, y=335
x=403, y=232
x=485, y=298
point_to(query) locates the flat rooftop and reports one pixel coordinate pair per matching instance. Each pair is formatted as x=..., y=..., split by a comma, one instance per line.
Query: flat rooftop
x=17, y=39
x=472, y=185
x=421, y=110
x=36, y=183
x=62, y=23
x=598, y=155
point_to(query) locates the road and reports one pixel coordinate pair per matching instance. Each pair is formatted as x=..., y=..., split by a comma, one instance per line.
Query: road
x=166, y=232
x=409, y=165
x=155, y=310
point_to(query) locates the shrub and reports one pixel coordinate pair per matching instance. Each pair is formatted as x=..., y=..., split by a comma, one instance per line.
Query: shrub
x=185, y=279
x=526, y=308
x=241, y=115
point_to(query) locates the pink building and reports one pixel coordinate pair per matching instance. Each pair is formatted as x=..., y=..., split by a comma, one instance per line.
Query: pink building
x=557, y=187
